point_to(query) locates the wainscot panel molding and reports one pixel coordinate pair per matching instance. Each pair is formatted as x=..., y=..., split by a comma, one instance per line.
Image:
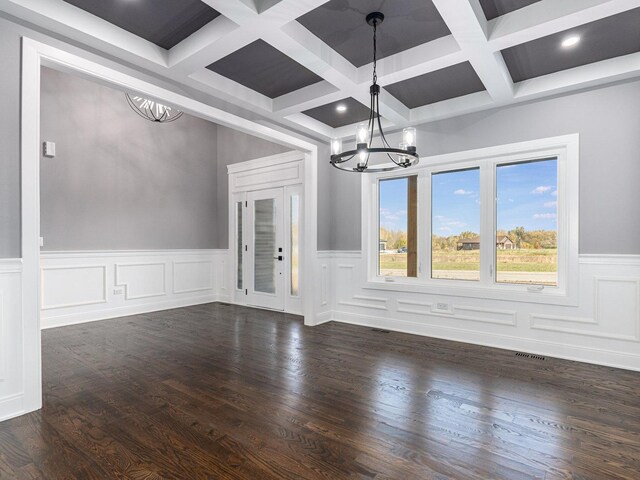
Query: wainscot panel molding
x=603, y=328
x=86, y=286
x=11, y=379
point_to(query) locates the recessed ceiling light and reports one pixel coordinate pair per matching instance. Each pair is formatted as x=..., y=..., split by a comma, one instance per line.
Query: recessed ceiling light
x=341, y=108
x=571, y=41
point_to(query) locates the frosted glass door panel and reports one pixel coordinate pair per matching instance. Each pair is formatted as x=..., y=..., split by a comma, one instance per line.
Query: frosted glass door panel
x=294, y=254
x=239, y=244
x=265, y=246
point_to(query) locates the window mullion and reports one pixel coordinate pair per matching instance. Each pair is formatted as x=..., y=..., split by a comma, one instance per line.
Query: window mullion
x=487, y=223
x=424, y=225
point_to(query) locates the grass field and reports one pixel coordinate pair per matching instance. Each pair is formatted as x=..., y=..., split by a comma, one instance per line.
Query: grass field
x=524, y=260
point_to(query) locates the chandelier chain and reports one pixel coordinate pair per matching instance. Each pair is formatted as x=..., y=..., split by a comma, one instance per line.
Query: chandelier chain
x=375, y=51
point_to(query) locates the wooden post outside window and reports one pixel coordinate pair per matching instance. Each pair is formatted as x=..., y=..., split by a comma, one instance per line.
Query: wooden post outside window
x=412, y=227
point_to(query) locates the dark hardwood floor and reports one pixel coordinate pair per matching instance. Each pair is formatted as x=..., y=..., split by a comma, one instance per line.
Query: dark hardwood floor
x=217, y=391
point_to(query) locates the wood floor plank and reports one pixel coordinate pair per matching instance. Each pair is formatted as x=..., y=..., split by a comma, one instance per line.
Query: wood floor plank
x=225, y=392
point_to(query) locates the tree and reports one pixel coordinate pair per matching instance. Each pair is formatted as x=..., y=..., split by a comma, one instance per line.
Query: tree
x=517, y=235
x=467, y=235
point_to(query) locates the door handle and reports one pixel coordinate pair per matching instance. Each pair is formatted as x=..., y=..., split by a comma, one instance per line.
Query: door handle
x=279, y=257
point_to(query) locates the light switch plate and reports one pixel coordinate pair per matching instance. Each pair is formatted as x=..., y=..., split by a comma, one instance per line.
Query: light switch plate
x=49, y=149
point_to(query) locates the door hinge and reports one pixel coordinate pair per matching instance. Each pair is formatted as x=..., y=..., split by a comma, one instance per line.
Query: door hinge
x=246, y=204
x=246, y=291
x=245, y=248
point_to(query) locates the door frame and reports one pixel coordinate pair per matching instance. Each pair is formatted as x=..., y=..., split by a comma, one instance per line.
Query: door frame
x=36, y=54
x=287, y=171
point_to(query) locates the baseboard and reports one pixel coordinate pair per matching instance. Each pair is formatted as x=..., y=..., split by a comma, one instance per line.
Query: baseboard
x=505, y=342
x=86, y=317
x=13, y=406
x=323, y=317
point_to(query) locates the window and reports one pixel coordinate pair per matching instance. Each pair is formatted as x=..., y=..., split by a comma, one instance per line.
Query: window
x=397, y=221
x=294, y=208
x=527, y=225
x=455, y=225
x=239, y=245
x=500, y=219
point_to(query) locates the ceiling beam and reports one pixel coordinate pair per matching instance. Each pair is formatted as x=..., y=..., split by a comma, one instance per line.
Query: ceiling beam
x=585, y=76
x=468, y=25
x=547, y=17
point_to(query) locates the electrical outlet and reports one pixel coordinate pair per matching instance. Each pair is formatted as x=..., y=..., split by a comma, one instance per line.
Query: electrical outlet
x=441, y=307
x=118, y=291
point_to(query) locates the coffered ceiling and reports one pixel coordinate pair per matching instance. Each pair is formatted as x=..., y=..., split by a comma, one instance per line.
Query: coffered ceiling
x=295, y=61
x=407, y=24
x=162, y=22
x=496, y=8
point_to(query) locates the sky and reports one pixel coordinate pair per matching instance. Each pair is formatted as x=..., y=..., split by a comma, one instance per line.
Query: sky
x=526, y=196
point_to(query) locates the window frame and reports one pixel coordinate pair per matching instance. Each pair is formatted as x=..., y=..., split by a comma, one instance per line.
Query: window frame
x=564, y=148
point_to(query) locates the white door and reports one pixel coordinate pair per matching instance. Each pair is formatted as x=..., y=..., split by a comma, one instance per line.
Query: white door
x=264, y=249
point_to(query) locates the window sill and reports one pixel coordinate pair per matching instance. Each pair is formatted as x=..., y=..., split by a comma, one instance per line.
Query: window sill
x=513, y=293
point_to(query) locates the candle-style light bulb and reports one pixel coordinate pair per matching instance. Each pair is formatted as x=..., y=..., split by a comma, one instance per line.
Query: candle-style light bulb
x=362, y=134
x=336, y=146
x=409, y=136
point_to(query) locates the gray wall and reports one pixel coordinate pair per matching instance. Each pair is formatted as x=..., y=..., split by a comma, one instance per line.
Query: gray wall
x=119, y=181
x=9, y=141
x=11, y=31
x=608, y=122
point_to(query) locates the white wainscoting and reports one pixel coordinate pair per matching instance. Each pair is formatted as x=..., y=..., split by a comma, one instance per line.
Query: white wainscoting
x=86, y=286
x=604, y=328
x=11, y=373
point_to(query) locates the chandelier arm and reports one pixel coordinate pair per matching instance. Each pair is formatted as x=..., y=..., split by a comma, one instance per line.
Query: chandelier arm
x=384, y=139
x=337, y=160
x=150, y=110
x=154, y=113
x=391, y=158
x=135, y=108
x=371, y=119
x=175, y=117
x=338, y=156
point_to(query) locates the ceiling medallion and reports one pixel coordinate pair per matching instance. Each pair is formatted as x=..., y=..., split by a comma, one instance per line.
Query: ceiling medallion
x=152, y=110
x=402, y=157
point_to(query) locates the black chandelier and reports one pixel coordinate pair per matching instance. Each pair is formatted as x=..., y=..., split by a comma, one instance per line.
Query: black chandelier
x=152, y=110
x=402, y=157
